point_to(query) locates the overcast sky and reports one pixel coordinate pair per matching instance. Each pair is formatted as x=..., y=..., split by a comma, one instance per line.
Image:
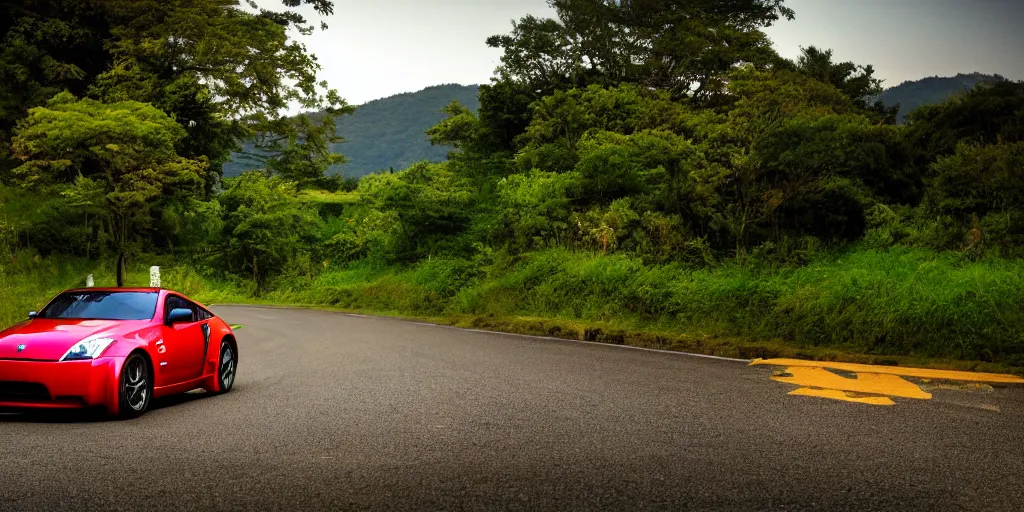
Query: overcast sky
x=383, y=47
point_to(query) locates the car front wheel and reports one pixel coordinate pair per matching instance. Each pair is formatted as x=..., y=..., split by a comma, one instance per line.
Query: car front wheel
x=136, y=387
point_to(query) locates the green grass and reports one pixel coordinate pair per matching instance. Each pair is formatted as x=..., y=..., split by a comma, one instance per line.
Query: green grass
x=902, y=306
x=27, y=282
x=891, y=306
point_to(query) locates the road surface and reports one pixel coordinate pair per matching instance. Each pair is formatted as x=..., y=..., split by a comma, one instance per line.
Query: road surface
x=341, y=412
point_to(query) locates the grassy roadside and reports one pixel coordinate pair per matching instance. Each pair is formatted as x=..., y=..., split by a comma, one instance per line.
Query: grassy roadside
x=903, y=307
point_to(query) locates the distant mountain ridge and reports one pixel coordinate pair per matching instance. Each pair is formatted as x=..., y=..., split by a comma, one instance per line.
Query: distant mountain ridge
x=388, y=132
x=914, y=94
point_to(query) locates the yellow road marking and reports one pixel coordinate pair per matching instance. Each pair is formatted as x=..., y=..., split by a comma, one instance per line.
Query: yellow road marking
x=870, y=383
x=896, y=370
x=874, y=385
x=842, y=395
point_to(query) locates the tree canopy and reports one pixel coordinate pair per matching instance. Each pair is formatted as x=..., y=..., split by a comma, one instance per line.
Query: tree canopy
x=116, y=160
x=684, y=47
x=221, y=69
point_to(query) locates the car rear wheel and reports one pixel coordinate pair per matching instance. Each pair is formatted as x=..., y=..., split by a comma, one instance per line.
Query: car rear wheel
x=136, y=387
x=227, y=366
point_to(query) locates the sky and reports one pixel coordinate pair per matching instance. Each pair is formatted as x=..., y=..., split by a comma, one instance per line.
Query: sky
x=384, y=47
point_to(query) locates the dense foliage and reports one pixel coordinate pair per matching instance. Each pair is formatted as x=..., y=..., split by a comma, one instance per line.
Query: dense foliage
x=649, y=160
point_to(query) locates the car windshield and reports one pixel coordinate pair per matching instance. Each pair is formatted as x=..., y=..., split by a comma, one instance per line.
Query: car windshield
x=103, y=305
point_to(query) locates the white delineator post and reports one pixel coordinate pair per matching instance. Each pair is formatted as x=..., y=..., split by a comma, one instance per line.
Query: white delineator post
x=154, y=277
x=89, y=283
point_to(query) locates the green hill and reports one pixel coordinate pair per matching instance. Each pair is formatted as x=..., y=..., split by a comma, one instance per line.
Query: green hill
x=389, y=132
x=928, y=91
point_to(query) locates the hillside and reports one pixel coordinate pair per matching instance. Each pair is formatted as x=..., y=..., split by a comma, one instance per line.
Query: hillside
x=389, y=132
x=927, y=91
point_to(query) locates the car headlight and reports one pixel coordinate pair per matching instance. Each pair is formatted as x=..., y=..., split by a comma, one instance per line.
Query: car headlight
x=89, y=348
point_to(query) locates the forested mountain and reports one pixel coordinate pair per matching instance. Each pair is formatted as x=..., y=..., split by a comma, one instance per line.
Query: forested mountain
x=388, y=132
x=931, y=90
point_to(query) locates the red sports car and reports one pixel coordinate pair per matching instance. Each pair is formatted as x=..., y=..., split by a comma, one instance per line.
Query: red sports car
x=114, y=347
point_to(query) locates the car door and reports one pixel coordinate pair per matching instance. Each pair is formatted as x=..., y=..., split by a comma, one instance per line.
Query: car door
x=182, y=349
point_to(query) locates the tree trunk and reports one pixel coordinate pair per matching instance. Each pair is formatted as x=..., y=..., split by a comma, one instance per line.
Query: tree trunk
x=119, y=229
x=120, y=268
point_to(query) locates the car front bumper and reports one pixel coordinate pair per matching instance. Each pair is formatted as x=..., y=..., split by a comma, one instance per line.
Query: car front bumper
x=60, y=385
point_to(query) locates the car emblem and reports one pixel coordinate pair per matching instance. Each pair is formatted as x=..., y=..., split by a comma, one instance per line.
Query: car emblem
x=21, y=347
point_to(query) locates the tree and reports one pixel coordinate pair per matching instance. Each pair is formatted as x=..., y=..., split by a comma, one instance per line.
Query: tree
x=977, y=195
x=222, y=70
x=504, y=113
x=471, y=155
x=225, y=73
x=266, y=229
x=990, y=113
x=683, y=46
x=803, y=158
x=540, y=52
x=533, y=209
x=431, y=203
x=561, y=120
x=857, y=82
x=303, y=153
x=118, y=159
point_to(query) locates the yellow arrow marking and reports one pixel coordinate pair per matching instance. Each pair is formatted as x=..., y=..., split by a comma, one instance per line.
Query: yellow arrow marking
x=869, y=384
x=922, y=373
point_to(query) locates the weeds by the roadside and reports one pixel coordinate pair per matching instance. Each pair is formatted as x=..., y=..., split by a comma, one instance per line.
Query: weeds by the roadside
x=881, y=304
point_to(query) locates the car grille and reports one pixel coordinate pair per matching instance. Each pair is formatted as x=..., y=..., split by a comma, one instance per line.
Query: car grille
x=23, y=392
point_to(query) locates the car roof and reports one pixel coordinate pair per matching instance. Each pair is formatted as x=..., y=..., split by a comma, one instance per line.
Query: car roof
x=135, y=289
x=111, y=289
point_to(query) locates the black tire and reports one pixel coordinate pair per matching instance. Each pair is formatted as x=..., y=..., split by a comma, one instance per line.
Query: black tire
x=227, y=366
x=136, y=388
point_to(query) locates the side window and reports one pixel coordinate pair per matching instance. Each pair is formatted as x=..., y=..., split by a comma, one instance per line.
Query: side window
x=199, y=313
x=175, y=302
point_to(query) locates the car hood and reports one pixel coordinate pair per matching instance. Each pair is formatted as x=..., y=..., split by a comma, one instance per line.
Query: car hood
x=47, y=340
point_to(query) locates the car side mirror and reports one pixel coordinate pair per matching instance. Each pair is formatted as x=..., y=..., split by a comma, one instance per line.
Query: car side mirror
x=178, y=316
x=32, y=314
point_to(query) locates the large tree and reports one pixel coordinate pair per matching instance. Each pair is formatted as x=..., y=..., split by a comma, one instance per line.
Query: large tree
x=223, y=69
x=116, y=159
x=225, y=72
x=683, y=46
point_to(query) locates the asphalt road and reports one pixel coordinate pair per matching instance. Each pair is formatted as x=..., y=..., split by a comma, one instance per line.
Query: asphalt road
x=342, y=412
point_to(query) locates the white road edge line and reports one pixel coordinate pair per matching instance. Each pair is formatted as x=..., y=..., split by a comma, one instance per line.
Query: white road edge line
x=416, y=322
